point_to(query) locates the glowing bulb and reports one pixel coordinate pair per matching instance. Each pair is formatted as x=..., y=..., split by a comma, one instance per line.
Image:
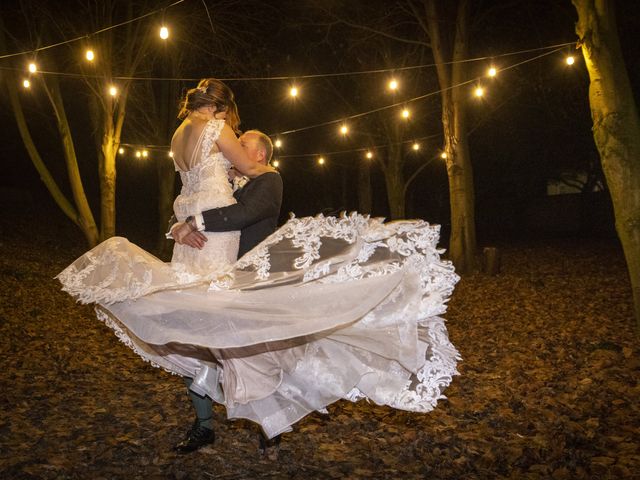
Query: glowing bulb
x=344, y=129
x=90, y=55
x=121, y=150
x=321, y=161
x=478, y=92
x=145, y=153
x=443, y=155
x=393, y=84
x=138, y=153
x=278, y=143
x=369, y=155
x=492, y=72
x=275, y=163
x=33, y=68
x=113, y=91
x=405, y=113
x=570, y=60
x=164, y=33
x=171, y=154
x=416, y=146
x=293, y=92
x=26, y=84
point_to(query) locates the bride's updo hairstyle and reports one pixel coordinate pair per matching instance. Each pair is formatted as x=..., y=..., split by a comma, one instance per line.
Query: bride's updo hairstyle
x=211, y=92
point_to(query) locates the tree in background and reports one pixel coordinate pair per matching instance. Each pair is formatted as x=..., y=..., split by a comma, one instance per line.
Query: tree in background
x=616, y=125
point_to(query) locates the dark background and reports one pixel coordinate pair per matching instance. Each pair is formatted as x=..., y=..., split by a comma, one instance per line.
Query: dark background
x=533, y=125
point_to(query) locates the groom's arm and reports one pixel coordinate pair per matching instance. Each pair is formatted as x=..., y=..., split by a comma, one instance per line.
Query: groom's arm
x=262, y=199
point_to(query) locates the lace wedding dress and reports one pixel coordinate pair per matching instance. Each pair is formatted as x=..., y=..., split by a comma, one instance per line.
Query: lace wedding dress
x=324, y=309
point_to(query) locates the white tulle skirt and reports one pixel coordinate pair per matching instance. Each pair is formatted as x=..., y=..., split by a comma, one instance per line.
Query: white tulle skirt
x=324, y=309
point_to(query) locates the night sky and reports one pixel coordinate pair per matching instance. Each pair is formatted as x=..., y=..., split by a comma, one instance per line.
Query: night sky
x=532, y=125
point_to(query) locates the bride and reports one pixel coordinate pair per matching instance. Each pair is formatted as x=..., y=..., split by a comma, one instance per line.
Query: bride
x=323, y=309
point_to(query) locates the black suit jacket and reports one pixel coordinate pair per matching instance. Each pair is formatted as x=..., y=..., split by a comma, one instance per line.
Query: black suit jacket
x=255, y=215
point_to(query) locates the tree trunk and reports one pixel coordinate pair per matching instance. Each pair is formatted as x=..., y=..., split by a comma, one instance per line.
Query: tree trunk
x=462, y=242
x=394, y=171
x=365, y=200
x=108, y=182
x=616, y=125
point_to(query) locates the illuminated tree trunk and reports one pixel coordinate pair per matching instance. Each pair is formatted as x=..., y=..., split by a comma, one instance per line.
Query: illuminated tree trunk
x=80, y=213
x=616, y=125
x=393, y=168
x=462, y=242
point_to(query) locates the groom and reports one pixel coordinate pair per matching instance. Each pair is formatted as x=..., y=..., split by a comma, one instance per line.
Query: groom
x=256, y=216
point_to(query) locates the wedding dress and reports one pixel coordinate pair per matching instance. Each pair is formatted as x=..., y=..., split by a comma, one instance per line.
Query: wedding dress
x=325, y=308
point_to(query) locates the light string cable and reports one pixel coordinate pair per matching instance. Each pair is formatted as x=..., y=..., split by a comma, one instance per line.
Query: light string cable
x=83, y=37
x=293, y=77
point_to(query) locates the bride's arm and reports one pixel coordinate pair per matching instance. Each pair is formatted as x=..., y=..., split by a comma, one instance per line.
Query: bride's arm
x=230, y=146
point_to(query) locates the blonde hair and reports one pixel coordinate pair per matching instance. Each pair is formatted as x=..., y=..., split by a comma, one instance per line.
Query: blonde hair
x=211, y=92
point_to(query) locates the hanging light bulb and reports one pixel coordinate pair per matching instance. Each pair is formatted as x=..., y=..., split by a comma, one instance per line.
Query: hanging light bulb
x=33, y=67
x=276, y=163
x=369, y=154
x=443, y=155
x=415, y=146
x=121, y=150
x=570, y=60
x=293, y=91
x=170, y=154
x=138, y=153
x=393, y=84
x=344, y=129
x=478, y=92
x=26, y=83
x=164, y=32
x=89, y=55
x=145, y=153
x=492, y=72
x=405, y=113
x=321, y=161
x=113, y=91
x=278, y=143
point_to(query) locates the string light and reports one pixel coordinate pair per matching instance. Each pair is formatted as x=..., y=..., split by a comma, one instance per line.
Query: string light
x=26, y=83
x=164, y=32
x=369, y=154
x=113, y=91
x=275, y=163
x=321, y=161
x=145, y=153
x=405, y=113
x=278, y=143
x=344, y=129
x=393, y=84
x=121, y=151
x=416, y=146
x=570, y=60
x=443, y=155
x=138, y=153
x=89, y=55
x=492, y=72
x=170, y=154
x=293, y=91
x=33, y=67
x=478, y=92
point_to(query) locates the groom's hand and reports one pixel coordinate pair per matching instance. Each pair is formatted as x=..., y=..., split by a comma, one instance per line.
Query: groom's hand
x=184, y=234
x=195, y=239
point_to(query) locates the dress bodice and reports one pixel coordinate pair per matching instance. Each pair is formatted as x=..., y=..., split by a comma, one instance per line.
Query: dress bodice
x=206, y=184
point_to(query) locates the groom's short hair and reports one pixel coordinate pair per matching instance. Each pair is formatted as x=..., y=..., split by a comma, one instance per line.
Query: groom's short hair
x=265, y=142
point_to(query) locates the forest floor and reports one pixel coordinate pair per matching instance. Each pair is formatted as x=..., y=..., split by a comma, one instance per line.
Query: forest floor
x=548, y=385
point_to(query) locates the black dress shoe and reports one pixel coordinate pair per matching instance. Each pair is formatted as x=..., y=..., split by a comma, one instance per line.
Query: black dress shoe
x=269, y=445
x=197, y=437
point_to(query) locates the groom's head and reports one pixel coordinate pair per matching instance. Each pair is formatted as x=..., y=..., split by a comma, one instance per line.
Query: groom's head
x=257, y=145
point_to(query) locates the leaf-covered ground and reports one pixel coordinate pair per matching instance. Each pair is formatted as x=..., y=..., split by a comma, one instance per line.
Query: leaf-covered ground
x=548, y=385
